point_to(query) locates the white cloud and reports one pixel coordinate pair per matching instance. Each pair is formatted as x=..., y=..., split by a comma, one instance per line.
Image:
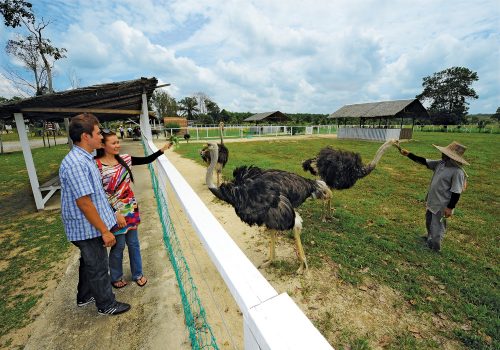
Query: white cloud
x=295, y=56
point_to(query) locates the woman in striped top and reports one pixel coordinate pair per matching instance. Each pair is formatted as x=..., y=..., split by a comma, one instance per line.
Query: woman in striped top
x=116, y=179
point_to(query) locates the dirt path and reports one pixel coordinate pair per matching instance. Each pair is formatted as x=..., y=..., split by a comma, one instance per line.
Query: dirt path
x=13, y=146
x=340, y=311
x=156, y=320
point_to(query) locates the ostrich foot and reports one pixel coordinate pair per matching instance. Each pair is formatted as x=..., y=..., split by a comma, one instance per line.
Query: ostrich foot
x=303, y=269
x=265, y=264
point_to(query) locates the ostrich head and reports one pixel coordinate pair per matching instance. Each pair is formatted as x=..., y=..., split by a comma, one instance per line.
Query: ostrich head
x=310, y=165
x=213, y=151
x=322, y=191
x=205, y=154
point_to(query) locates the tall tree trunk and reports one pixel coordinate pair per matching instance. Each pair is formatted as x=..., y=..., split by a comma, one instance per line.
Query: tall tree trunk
x=45, y=61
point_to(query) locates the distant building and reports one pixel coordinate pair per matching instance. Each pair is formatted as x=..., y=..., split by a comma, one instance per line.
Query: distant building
x=182, y=122
x=275, y=117
x=379, y=120
x=385, y=110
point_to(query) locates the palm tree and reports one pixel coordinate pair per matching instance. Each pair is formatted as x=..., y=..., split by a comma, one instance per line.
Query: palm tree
x=188, y=105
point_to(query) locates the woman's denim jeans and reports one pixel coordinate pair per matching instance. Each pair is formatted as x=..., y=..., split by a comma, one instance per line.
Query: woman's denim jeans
x=131, y=238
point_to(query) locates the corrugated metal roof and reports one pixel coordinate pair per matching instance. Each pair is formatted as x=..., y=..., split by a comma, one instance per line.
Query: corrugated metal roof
x=124, y=95
x=398, y=108
x=276, y=115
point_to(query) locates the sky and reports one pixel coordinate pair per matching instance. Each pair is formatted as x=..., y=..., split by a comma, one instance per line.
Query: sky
x=257, y=56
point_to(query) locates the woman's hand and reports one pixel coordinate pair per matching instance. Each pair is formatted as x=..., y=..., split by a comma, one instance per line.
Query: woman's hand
x=120, y=220
x=166, y=146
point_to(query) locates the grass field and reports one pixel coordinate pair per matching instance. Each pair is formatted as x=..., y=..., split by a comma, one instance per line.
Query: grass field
x=376, y=232
x=32, y=242
x=379, y=223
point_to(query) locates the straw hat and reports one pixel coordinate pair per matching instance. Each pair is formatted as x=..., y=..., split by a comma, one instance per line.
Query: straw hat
x=455, y=151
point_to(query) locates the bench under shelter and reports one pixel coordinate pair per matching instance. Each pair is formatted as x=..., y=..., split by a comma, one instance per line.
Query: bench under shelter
x=112, y=101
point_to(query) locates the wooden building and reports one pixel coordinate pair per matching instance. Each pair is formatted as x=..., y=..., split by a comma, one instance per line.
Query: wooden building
x=379, y=120
x=275, y=117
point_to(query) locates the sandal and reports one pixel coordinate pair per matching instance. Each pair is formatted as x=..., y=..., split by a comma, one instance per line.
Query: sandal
x=119, y=284
x=141, y=281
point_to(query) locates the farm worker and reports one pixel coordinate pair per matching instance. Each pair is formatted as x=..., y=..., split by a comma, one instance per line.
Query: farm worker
x=447, y=183
x=88, y=217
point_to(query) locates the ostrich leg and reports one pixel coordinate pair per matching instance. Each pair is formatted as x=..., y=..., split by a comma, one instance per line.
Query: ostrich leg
x=297, y=229
x=272, y=251
x=327, y=211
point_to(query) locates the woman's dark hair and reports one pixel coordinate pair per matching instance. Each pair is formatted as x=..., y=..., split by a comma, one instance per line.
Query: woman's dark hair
x=82, y=124
x=100, y=152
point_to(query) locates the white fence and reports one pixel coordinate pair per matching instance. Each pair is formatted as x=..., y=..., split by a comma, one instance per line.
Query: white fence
x=247, y=131
x=375, y=134
x=270, y=321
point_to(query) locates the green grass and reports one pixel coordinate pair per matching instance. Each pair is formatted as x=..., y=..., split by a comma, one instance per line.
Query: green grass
x=32, y=242
x=15, y=188
x=380, y=221
x=13, y=136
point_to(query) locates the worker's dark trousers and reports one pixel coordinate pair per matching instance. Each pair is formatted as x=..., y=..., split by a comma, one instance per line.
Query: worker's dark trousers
x=436, y=228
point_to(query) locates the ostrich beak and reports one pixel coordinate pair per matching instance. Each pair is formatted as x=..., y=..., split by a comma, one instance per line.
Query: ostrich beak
x=396, y=144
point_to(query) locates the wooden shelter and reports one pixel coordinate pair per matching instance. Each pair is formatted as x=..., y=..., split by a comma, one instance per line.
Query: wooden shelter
x=268, y=117
x=113, y=101
x=386, y=113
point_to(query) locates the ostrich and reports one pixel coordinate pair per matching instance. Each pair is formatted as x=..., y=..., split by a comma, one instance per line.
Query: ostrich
x=223, y=154
x=268, y=198
x=341, y=169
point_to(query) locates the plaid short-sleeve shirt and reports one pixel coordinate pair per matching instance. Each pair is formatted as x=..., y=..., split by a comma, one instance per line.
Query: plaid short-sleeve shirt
x=80, y=177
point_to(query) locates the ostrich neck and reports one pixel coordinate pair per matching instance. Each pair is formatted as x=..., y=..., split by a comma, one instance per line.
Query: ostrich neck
x=220, y=132
x=214, y=155
x=379, y=154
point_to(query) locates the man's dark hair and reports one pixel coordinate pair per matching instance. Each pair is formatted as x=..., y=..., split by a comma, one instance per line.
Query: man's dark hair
x=82, y=124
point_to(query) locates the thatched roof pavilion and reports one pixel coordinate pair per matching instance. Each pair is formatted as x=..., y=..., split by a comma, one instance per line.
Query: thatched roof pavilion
x=120, y=100
x=271, y=117
x=111, y=101
x=383, y=110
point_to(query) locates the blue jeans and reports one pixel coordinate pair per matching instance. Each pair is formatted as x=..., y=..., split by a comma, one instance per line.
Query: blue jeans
x=93, y=279
x=134, y=254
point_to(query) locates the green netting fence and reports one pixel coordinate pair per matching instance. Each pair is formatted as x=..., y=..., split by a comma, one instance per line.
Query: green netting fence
x=200, y=333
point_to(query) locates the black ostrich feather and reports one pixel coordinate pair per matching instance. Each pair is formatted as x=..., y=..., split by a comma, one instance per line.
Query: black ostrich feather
x=338, y=168
x=221, y=159
x=257, y=202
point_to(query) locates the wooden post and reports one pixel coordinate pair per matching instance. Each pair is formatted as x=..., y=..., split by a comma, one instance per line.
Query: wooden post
x=144, y=118
x=66, y=126
x=28, y=159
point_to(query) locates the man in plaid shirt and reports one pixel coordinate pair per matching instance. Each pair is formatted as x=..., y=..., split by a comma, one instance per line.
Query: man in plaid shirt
x=87, y=216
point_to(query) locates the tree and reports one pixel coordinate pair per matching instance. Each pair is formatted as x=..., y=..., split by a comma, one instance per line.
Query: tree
x=17, y=13
x=26, y=50
x=213, y=110
x=164, y=104
x=225, y=116
x=448, y=91
x=2, y=122
x=188, y=105
x=496, y=116
x=201, y=100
